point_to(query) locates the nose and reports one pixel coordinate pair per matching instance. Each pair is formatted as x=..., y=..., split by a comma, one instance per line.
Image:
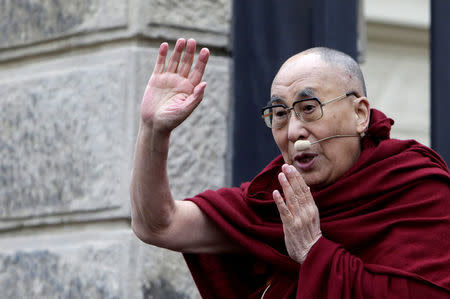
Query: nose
x=296, y=128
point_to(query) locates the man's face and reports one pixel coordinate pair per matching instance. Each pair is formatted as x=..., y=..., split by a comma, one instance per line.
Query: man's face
x=322, y=164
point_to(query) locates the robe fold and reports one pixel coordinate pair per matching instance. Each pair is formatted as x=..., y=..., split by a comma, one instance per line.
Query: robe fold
x=385, y=230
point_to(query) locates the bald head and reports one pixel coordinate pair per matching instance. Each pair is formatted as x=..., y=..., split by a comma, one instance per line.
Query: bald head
x=347, y=68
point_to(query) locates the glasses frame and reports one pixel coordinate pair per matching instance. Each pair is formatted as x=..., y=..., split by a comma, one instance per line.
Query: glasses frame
x=289, y=109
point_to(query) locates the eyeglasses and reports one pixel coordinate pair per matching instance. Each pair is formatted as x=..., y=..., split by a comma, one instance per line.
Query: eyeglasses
x=306, y=110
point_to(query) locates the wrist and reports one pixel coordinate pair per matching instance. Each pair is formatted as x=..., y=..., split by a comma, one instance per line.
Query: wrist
x=305, y=253
x=153, y=138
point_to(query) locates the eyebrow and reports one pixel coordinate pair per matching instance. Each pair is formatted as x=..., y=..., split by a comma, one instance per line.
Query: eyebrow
x=306, y=92
x=275, y=99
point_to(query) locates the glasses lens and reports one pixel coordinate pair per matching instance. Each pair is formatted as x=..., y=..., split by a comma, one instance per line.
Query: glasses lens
x=280, y=115
x=309, y=110
x=267, y=116
x=275, y=116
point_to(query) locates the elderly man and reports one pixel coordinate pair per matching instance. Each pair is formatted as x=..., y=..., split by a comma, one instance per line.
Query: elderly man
x=344, y=212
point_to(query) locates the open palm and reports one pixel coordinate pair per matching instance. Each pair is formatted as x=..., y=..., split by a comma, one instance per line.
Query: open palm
x=172, y=94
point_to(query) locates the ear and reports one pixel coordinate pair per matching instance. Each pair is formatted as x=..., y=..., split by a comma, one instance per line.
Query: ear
x=362, y=114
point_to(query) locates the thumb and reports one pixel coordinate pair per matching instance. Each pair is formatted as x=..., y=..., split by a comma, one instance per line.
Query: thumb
x=199, y=90
x=197, y=95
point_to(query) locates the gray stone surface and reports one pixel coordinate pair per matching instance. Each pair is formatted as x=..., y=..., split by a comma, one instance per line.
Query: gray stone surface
x=204, y=15
x=164, y=274
x=90, y=261
x=209, y=22
x=30, y=27
x=69, y=265
x=24, y=22
x=63, y=141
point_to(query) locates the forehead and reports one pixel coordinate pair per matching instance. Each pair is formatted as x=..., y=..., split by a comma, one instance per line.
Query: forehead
x=305, y=72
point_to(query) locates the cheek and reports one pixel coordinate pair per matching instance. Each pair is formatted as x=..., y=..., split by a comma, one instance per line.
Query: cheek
x=337, y=125
x=281, y=139
x=342, y=155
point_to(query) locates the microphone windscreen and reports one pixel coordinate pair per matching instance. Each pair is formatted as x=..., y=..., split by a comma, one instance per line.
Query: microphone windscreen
x=301, y=145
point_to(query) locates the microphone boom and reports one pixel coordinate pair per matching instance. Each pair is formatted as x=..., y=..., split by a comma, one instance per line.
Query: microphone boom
x=301, y=145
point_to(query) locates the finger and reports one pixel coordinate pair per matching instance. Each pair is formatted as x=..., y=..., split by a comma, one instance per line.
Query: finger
x=290, y=173
x=186, y=63
x=199, y=91
x=197, y=73
x=296, y=180
x=300, y=182
x=310, y=213
x=176, y=54
x=291, y=202
x=161, y=60
x=196, y=97
x=285, y=214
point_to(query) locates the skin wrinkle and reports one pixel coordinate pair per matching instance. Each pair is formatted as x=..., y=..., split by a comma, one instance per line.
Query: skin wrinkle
x=305, y=93
x=308, y=72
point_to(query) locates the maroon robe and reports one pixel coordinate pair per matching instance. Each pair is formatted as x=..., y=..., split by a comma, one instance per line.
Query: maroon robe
x=385, y=226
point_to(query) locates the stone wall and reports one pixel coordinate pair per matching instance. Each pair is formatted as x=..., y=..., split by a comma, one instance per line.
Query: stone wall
x=72, y=74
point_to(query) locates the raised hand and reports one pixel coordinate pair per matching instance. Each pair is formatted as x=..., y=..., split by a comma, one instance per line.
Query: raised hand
x=299, y=214
x=173, y=93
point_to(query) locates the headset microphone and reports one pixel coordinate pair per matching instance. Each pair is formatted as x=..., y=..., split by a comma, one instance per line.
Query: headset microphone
x=301, y=145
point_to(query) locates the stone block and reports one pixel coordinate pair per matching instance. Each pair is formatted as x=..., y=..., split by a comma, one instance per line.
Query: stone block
x=30, y=27
x=90, y=262
x=64, y=138
x=164, y=274
x=68, y=265
x=24, y=22
x=207, y=21
x=205, y=15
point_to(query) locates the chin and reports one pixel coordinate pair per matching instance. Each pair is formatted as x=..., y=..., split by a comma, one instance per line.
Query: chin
x=314, y=181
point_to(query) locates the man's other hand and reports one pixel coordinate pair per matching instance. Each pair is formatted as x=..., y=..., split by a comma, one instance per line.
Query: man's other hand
x=299, y=213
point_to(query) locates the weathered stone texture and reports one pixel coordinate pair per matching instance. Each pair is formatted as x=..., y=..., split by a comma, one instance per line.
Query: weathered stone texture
x=62, y=142
x=164, y=274
x=60, y=267
x=209, y=22
x=205, y=15
x=27, y=21
x=93, y=263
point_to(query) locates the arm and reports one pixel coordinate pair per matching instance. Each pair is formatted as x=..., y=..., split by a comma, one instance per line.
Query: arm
x=170, y=97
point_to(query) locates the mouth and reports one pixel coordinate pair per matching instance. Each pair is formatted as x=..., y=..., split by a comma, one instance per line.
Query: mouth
x=305, y=161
